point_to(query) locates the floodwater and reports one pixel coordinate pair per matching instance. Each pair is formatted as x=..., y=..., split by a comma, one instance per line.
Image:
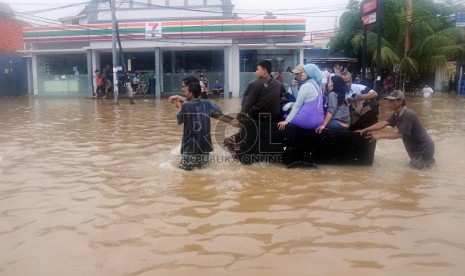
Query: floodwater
x=90, y=188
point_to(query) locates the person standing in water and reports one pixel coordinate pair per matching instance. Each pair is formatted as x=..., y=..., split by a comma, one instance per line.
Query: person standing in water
x=419, y=145
x=426, y=92
x=195, y=114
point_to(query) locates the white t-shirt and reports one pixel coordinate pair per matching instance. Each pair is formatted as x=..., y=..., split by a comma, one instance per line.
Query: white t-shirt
x=325, y=76
x=427, y=92
x=355, y=89
x=135, y=80
x=203, y=87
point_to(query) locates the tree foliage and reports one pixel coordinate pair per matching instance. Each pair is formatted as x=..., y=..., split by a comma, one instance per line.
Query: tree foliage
x=349, y=25
x=433, y=37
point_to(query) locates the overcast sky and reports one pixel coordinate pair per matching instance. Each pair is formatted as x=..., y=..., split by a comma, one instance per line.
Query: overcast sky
x=320, y=15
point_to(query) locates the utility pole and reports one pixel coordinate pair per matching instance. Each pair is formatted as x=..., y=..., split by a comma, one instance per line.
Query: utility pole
x=364, y=46
x=369, y=16
x=407, y=37
x=114, y=52
x=407, y=29
x=378, y=42
x=364, y=53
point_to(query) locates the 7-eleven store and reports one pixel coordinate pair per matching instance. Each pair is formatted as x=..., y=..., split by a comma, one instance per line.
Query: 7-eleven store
x=63, y=58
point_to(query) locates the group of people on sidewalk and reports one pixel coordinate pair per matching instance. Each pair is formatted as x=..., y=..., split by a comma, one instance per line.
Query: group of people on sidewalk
x=140, y=83
x=104, y=82
x=346, y=106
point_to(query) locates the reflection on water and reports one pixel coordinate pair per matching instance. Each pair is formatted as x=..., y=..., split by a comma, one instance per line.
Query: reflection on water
x=89, y=188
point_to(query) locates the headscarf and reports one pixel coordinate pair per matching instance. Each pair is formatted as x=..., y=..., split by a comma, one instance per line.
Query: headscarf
x=314, y=73
x=340, y=88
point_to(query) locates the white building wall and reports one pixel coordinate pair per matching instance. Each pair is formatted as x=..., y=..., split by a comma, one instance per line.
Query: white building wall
x=159, y=15
x=232, y=71
x=35, y=83
x=160, y=11
x=439, y=78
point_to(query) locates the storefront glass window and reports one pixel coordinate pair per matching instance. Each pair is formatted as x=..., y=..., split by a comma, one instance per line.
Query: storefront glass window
x=62, y=75
x=282, y=60
x=179, y=64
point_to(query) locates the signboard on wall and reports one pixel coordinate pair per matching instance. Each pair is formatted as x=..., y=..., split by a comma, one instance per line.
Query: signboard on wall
x=153, y=30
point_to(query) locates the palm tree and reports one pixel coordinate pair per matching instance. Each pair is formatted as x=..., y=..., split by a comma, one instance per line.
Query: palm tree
x=434, y=40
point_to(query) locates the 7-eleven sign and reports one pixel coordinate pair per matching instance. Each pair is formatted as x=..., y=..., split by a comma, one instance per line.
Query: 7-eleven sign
x=153, y=30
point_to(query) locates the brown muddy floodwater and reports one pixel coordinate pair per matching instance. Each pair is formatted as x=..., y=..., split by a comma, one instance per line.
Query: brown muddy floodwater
x=90, y=188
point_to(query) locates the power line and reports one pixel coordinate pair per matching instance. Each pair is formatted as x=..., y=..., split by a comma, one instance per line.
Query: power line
x=29, y=15
x=54, y=8
x=301, y=12
x=315, y=11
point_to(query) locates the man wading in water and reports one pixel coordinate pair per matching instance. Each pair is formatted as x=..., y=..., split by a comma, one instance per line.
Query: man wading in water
x=417, y=142
x=195, y=114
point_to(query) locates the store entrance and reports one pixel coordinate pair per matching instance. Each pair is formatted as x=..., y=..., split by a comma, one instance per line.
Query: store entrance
x=140, y=65
x=179, y=64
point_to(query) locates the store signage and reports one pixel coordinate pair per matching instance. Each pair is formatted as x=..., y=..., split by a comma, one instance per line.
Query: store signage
x=153, y=30
x=369, y=7
x=369, y=19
